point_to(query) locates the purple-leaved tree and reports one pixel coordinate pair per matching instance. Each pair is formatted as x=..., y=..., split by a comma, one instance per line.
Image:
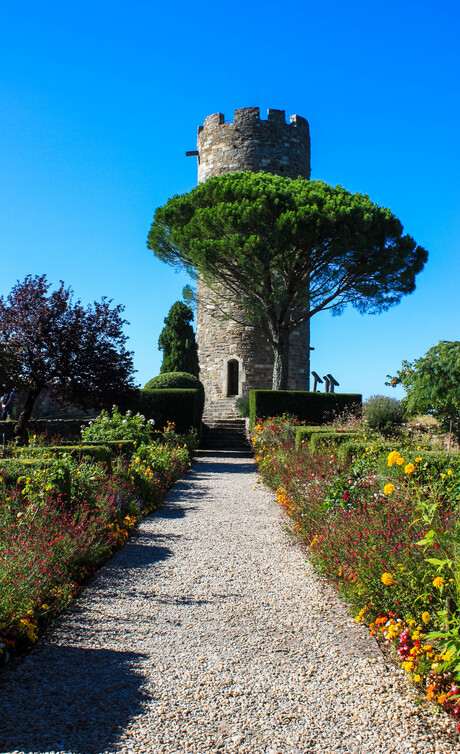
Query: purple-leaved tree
x=47, y=339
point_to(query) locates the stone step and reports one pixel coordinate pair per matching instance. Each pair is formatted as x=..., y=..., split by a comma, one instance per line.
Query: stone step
x=225, y=408
x=224, y=433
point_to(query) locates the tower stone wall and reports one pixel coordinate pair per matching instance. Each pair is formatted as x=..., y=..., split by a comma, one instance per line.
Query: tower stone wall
x=234, y=357
x=249, y=143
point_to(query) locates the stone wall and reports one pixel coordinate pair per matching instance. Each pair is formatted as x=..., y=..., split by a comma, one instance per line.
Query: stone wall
x=271, y=146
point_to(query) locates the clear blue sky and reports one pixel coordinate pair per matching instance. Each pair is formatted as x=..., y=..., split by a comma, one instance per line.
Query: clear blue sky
x=100, y=101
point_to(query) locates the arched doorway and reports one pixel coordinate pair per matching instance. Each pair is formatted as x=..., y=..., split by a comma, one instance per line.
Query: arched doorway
x=232, y=377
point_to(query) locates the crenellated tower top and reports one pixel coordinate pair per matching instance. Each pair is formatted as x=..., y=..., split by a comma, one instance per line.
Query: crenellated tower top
x=249, y=143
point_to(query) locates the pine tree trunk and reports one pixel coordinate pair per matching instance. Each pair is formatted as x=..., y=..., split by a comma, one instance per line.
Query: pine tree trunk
x=281, y=363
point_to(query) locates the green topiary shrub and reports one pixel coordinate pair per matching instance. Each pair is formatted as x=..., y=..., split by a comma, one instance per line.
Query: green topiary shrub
x=169, y=380
x=180, y=406
x=382, y=412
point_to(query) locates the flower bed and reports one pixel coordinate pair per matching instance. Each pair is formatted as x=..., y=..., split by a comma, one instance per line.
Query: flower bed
x=51, y=542
x=387, y=541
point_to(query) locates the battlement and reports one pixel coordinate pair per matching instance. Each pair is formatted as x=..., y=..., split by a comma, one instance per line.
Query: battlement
x=251, y=143
x=250, y=116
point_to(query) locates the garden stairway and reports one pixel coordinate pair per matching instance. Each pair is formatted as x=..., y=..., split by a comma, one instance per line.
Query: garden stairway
x=224, y=434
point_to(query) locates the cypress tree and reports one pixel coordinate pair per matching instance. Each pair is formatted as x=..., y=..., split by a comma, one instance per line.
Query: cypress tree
x=177, y=341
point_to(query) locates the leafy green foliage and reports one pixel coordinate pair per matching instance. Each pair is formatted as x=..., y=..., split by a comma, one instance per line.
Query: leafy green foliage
x=286, y=249
x=382, y=412
x=177, y=341
x=117, y=426
x=432, y=383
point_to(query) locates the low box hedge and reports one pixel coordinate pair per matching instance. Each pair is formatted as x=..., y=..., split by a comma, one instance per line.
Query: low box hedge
x=315, y=408
x=351, y=449
x=118, y=447
x=303, y=434
x=98, y=453
x=319, y=439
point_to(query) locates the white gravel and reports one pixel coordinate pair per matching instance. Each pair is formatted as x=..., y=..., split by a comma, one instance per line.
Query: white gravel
x=209, y=632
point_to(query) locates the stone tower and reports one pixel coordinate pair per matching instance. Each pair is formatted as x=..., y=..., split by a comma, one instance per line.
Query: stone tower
x=235, y=358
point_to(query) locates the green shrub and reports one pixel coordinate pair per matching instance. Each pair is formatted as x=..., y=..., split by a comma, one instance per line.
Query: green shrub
x=178, y=406
x=38, y=472
x=315, y=408
x=382, y=412
x=320, y=439
x=117, y=426
x=122, y=447
x=98, y=453
x=169, y=380
x=243, y=406
x=303, y=434
x=351, y=449
x=430, y=464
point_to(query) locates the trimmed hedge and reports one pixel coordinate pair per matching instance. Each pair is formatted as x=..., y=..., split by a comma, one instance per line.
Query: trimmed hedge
x=181, y=406
x=347, y=450
x=319, y=439
x=123, y=447
x=98, y=453
x=316, y=408
x=303, y=434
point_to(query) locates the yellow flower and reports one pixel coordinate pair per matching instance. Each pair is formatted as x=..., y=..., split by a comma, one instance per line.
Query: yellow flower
x=426, y=617
x=388, y=489
x=419, y=459
x=417, y=678
x=392, y=457
x=393, y=631
x=400, y=461
x=387, y=579
x=409, y=468
x=438, y=581
x=450, y=472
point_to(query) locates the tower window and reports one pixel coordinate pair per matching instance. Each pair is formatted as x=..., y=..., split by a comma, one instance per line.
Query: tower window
x=232, y=377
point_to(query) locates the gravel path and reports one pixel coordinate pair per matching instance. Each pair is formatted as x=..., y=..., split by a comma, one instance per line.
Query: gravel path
x=209, y=632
